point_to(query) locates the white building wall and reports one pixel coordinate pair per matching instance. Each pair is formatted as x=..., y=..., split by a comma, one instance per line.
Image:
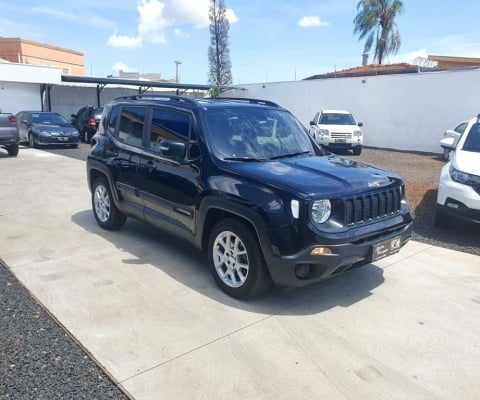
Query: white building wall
x=15, y=97
x=403, y=112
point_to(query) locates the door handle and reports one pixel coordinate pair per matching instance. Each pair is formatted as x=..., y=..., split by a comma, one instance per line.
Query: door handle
x=151, y=166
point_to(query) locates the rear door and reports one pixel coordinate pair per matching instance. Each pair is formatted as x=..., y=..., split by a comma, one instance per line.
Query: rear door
x=127, y=123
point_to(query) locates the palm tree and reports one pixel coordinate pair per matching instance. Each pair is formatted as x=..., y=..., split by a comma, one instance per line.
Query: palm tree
x=376, y=21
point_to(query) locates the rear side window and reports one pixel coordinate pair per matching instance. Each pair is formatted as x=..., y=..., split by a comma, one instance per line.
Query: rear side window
x=110, y=122
x=132, y=121
x=169, y=124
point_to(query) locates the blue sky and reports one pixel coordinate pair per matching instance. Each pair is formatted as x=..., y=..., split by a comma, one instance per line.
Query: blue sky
x=270, y=40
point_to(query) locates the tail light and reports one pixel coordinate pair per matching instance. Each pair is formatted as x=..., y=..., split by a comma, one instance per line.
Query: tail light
x=92, y=123
x=12, y=119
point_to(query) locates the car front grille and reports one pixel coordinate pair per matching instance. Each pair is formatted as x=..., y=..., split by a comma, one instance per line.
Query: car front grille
x=340, y=135
x=372, y=206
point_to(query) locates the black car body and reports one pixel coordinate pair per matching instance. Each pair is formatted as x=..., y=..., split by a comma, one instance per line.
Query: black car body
x=9, y=138
x=42, y=128
x=86, y=121
x=244, y=181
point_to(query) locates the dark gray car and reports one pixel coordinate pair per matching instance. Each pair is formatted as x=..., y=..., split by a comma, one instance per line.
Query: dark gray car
x=9, y=133
x=40, y=128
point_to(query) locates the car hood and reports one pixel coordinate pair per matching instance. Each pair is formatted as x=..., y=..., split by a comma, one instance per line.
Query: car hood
x=467, y=161
x=60, y=128
x=316, y=177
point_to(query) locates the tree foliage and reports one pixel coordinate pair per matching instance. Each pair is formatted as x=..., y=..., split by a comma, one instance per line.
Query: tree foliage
x=375, y=22
x=218, y=51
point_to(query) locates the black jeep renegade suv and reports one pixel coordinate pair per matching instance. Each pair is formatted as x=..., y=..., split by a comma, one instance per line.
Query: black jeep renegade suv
x=242, y=180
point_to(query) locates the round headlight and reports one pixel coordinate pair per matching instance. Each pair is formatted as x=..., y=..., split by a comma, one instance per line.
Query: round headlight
x=321, y=211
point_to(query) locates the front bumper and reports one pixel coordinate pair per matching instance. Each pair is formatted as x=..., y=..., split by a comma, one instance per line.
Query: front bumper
x=457, y=200
x=58, y=140
x=344, y=257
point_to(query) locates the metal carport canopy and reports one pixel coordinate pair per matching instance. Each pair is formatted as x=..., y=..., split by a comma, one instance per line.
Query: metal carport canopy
x=142, y=84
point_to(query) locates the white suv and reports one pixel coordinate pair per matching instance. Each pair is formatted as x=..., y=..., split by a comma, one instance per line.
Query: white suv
x=459, y=186
x=337, y=129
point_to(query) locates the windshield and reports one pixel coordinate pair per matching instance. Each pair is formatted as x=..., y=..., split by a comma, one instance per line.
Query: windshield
x=472, y=141
x=256, y=134
x=48, y=119
x=337, y=119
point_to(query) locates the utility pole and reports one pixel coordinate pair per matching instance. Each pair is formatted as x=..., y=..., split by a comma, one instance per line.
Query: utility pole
x=176, y=70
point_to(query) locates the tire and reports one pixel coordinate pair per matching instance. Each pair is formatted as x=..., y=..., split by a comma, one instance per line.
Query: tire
x=446, y=153
x=106, y=213
x=31, y=141
x=357, y=150
x=236, y=260
x=12, y=150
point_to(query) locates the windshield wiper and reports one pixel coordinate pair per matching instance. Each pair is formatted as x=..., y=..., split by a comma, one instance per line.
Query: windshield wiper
x=298, y=153
x=248, y=159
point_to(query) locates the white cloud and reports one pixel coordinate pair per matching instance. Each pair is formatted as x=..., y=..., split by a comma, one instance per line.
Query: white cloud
x=155, y=16
x=408, y=57
x=152, y=21
x=122, y=41
x=310, y=21
x=193, y=12
x=179, y=33
x=232, y=18
x=120, y=66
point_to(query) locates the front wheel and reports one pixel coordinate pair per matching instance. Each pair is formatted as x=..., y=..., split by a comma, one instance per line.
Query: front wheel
x=31, y=141
x=106, y=213
x=236, y=260
x=446, y=153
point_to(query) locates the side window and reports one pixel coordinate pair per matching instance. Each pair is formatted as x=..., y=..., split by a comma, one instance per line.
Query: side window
x=169, y=124
x=132, y=120
x=461, y=128
x=110, y=122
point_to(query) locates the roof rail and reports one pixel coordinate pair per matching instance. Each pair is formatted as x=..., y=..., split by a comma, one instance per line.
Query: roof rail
x=163, y=97
x=251, y=101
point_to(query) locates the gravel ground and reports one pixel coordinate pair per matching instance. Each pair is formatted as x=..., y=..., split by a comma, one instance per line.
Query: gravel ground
x=40, y=361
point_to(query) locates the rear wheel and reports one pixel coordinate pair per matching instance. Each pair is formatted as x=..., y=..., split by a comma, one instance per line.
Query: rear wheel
x=12, y=150
x=106, y=213
x=236, y=260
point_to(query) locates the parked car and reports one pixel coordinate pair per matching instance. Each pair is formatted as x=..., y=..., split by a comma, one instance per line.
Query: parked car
x=243, y=180
x=450, y=138
x=86, y=121
x=39, y=128
x=459, y=187
x=337, y=129
x=9, y=133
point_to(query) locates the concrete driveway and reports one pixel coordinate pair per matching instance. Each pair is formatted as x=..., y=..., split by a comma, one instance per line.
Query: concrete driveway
x=145, y=306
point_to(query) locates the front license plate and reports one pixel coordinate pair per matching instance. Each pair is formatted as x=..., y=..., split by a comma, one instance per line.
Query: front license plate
x=63, y=139
x=340, y=140
x=387, y=248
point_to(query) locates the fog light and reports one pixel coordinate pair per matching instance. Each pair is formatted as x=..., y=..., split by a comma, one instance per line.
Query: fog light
x=452, y=205
x=302, y=271
x=320, y=250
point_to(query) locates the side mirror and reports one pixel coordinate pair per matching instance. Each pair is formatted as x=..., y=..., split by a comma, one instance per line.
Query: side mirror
x=449, y=143
x=172, y=149
x=24, y=121
x=312, y=123
x=360, y=124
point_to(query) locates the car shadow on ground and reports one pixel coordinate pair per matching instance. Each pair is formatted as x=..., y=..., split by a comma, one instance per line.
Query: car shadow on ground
x=465, y=235
x=150, y=246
